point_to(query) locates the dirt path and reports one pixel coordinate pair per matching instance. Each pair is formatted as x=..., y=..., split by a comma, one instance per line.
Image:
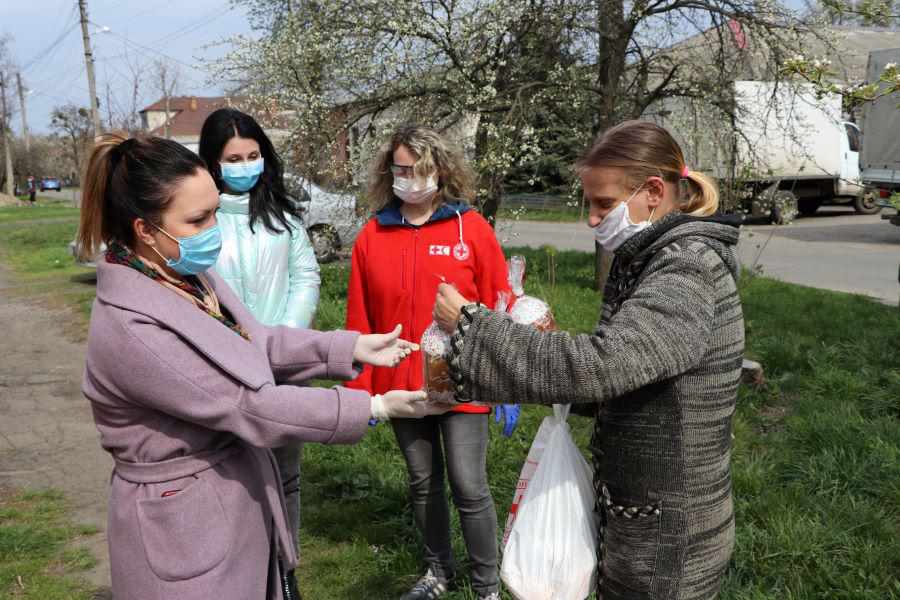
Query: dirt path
x=47, y=434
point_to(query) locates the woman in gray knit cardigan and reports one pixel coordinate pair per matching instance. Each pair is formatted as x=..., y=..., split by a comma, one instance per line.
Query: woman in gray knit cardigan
x=660, y=372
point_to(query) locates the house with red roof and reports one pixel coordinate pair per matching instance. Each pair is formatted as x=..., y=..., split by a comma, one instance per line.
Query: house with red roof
x=183, y=118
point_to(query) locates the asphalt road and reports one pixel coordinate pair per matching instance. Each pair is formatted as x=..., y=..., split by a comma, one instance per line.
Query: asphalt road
x=836, y=249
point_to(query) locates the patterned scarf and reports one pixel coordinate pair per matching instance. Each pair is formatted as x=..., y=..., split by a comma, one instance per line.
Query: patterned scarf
x=191, y=286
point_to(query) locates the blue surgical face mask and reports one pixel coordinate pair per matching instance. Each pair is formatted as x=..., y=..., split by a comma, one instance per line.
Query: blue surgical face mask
x=197, y=253
x=241, y=177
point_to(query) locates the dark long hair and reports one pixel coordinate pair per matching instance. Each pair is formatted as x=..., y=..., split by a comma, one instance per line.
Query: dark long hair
x=269, y=201
x=127, y=178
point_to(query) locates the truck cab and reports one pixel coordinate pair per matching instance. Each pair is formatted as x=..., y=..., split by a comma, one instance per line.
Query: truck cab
x=849, y=183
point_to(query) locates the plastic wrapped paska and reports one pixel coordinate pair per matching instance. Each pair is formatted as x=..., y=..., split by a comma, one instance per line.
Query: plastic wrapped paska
x=527, y=310
x=551, y=550
x=435, y=347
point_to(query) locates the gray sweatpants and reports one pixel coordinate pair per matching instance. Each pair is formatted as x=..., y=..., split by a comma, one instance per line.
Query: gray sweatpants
x=457, y=443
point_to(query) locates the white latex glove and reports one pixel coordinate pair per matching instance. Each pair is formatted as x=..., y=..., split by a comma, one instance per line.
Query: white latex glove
x=383, y=349
x=405, y=405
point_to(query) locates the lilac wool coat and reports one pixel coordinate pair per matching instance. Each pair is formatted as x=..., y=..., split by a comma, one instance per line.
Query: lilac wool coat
x=187, y=409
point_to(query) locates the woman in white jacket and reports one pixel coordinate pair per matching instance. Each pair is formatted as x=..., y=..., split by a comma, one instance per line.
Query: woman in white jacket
x=266, y=256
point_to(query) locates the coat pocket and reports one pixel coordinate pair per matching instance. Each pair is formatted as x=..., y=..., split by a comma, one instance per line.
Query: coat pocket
x=630, y=543
x=184, y=535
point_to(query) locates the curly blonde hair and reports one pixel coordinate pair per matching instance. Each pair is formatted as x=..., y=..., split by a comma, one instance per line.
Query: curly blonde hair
x=434, y=154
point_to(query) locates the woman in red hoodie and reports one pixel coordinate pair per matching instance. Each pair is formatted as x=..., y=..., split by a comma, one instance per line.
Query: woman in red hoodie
x=425, y=232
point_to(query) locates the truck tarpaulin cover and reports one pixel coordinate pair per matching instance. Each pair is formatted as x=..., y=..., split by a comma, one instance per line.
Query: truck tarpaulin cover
x=881, y=118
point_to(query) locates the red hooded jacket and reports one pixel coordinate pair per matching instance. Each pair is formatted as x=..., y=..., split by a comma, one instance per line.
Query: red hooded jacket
x=395, y=273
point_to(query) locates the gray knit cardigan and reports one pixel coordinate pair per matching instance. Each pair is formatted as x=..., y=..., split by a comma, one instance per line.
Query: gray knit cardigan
x=661, y=374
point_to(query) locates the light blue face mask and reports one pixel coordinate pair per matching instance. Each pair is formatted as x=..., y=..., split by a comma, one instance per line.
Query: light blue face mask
x=241, y=177
x=196, y=253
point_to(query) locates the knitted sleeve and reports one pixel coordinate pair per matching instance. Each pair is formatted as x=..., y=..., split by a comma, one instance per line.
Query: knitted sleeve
x=659, y=332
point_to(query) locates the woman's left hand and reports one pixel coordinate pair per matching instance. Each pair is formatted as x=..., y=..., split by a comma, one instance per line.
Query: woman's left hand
x=383, y=349
x=447, y=307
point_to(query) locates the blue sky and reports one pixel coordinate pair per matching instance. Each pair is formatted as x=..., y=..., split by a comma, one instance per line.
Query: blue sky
x=175, y=31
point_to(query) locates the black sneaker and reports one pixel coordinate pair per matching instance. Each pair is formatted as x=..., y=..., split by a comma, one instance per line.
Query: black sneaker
x=428, y=587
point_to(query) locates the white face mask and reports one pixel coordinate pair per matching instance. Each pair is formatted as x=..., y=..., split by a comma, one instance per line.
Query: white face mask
x=415, y=191
x=616, y=227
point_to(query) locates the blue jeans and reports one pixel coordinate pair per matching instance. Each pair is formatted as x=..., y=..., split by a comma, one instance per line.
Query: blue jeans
x=465, y=439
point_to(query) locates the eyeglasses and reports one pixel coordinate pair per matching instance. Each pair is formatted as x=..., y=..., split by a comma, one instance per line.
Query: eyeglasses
x=405, y=171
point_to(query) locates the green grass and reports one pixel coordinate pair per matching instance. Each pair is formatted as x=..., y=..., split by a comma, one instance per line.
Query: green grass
x=816, y=452
x=38, y=250
x=44, y=197
x=37, y=558
x=49, y=210
x=43, y=270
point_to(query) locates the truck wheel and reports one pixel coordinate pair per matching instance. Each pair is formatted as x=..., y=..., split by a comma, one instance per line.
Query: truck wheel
x=784, y=207
x=866, y=204
x=325, y=242
x=809, y=206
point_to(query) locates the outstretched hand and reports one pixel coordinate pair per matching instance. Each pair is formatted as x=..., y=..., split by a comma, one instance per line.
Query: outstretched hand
x=405, y=405
x=383, y=349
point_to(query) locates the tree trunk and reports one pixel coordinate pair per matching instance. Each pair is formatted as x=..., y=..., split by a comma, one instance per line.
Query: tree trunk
x=7, y=139
x=489, y=203
x=613, y=40
x=166, y=126
x=75, y=154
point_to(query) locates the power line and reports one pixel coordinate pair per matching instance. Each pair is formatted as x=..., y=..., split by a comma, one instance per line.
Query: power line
x=53, y=45
x=191, y=27
x=67, y=85
x=149, y=10
x=146, y=51
x=140, y=47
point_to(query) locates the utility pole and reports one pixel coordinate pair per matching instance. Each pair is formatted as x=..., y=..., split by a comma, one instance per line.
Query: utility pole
x=4, y=130
x=24, y=116
x=89, y=63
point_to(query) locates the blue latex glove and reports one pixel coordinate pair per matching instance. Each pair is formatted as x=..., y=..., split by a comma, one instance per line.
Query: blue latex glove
x=373, y=422
x=510, y=415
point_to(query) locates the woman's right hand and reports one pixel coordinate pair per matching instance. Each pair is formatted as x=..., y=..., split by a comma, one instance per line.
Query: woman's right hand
x=382, y=349
x=405, y=405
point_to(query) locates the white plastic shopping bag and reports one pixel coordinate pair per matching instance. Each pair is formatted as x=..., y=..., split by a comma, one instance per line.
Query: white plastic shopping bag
x=551, y=550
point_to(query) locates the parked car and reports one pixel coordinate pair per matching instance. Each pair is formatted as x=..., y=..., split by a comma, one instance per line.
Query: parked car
x=50, y=183
x=332, y=220
x=92, y=263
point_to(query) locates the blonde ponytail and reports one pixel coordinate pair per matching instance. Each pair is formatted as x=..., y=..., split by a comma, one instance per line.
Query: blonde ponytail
x=702, y=198
x=642, y=150
x=91, y=231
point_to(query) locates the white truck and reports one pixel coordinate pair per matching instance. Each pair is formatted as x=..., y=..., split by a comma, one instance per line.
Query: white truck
x=786, y=148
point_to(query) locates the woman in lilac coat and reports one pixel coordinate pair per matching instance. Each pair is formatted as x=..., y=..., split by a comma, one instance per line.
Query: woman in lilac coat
x=188, y=390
